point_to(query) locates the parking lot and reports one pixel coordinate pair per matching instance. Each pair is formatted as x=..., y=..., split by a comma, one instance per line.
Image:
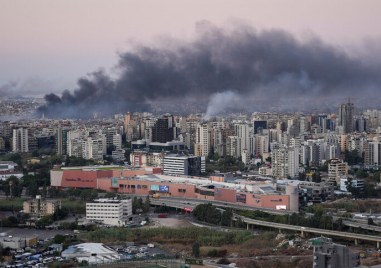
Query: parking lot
x=134, y=252
x=26, y=232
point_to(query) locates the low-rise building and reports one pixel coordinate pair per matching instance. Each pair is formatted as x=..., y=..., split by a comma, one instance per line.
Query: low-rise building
x=109, y=211
x=336, y=169
x=328, y=254
x=7, y=166
x=14, y=242
x=355, y=183
x=92, y=253
x=39, y=207
x=184, y=165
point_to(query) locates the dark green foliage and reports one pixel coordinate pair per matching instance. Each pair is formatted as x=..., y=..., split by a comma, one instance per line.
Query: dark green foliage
x=225, y=164
x=73, y=161
x=196, y=249
x=208, y=213
x=186, y=235
x=60, y=214
x=88, y=194
x=11, y=221
x=138, y=206
x=223, y=261
x=12, y=187
x=352, y=157
x=318, y=220
x=217, y=253
x=59, y=239
x=211, y=214
x=44, y=221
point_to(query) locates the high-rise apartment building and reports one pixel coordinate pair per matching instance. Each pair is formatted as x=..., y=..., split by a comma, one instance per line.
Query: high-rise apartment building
x=242, y=131
x=259, y=125
x=61, y=141
x=285, y=162
x=202, y=145
x=164, y=129
x=20, y=141
x=93, y=148
x=346, y=113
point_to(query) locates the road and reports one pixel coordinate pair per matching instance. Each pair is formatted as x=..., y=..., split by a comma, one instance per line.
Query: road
x=191, y=203
x=177, y=202
x=303, y=230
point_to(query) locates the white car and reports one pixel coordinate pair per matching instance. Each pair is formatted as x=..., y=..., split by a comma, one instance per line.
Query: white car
x=150, y=245
x=143, y=249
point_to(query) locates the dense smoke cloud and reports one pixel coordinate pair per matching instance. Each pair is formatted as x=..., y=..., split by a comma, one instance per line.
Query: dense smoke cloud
x=263, y=68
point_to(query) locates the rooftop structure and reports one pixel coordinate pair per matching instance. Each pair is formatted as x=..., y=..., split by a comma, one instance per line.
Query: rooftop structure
x=92, y=253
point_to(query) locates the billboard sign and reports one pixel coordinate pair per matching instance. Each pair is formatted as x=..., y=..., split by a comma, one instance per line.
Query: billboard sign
x=164, y=188
x=155, y=187
x=241, y=198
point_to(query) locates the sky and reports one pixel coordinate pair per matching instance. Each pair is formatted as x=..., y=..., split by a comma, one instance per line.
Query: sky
x=47, y=45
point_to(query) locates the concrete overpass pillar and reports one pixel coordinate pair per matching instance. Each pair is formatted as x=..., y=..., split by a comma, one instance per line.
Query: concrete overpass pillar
x=302, y=234
x=356, y=242
x=378, y=244
x=248, y=227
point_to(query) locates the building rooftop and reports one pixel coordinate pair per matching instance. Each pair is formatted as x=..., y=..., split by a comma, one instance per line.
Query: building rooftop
x=107, y=200
x=91, y=252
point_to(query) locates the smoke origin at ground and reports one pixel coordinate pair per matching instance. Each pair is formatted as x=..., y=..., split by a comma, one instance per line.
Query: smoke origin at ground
x=227, y=69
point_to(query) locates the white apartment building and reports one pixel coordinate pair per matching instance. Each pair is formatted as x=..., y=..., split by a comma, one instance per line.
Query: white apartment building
x=74, y=143
x=356, y=183
x=202, y=145
x=261, y=144
x=242, y=131
x=117, y=141
x=233, y=146
x=285, y=162
x=372, y=153
x=20, y=140
x=110, y=211
x=93, y=148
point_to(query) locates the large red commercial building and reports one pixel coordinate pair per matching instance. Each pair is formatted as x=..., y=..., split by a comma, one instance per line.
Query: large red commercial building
x=151, y=182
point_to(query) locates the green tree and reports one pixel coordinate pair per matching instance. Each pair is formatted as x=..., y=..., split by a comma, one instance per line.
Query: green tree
x=59, y=239
x=226, y=217
x=352, y=157
x=44, y=221
x=196, y=249
x=12, y=186
x=147, y=204
x=316, y=177
x=351, y=188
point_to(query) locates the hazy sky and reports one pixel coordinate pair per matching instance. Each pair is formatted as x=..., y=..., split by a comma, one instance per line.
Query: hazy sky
x=53, y=42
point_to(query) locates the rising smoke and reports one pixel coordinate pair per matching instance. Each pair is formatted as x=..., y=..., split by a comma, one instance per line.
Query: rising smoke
x=255, y=69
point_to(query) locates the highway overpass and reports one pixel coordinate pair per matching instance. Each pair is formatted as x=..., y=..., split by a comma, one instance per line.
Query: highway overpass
x=192, y=203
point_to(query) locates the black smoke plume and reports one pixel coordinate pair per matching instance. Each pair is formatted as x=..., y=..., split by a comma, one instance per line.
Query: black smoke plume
x=264, y=68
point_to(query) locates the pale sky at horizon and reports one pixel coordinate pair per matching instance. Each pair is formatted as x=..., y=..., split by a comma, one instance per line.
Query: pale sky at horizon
x=59, y=41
